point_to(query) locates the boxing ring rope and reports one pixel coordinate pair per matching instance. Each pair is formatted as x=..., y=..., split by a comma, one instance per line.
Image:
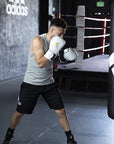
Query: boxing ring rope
x=95, y=19
x=97, y=36
x=89, y=18
x=92, y=49
x=103, y=36
x=93, y=28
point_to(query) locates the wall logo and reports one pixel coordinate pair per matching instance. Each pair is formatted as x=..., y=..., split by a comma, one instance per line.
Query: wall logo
x=17, y=7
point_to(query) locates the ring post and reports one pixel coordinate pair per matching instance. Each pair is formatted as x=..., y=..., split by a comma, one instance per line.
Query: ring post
x=80, y=23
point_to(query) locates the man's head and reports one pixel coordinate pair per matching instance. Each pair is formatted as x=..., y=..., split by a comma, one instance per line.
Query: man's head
x=58, y=27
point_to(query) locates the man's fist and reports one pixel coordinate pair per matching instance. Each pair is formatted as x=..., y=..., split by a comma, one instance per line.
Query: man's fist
x=56, y=44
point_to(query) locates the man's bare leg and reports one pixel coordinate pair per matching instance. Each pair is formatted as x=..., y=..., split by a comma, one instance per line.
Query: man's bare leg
x=13, y=123
x=63, y=120
x=15, y=119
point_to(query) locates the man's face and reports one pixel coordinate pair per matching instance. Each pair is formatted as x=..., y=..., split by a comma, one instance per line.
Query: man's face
x=58, y=31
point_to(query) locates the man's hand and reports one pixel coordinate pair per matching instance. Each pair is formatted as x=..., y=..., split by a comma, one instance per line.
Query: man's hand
x=56, y=45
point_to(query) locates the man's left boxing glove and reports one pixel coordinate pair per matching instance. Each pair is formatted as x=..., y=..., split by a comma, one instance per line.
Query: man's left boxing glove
x=70, y=54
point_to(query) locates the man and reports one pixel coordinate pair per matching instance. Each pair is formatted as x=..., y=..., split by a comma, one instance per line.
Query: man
x=38, y=79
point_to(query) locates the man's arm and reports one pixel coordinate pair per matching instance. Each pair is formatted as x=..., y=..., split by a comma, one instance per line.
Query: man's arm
x=37, y=48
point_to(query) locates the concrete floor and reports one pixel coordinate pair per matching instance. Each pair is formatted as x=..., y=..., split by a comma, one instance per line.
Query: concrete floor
x=88, y=119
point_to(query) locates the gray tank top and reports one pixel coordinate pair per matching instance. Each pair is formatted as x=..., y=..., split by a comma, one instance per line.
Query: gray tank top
x=34, y=74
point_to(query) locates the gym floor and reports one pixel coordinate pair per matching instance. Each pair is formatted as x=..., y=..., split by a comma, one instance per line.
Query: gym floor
x=87, y=116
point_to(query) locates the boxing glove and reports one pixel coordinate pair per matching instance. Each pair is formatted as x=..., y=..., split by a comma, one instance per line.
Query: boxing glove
x=70, y=54
x=56, y=45
x=111, y=62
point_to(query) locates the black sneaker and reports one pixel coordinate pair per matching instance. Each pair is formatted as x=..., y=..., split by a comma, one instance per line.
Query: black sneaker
x=9, y=136
x=8, y=139
x=72, y=142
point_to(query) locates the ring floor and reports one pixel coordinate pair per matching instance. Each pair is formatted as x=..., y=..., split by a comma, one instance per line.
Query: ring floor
x=87, y=116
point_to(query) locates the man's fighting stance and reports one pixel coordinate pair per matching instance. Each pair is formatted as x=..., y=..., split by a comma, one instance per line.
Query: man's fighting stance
x=38, y=79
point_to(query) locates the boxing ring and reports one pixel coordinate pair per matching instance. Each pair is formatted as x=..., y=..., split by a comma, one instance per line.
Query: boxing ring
x=92, y=77
x=92, y=71
x=99, y=68
x=97, y=63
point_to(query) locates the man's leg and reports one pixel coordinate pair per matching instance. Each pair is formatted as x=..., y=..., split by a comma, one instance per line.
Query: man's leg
x=15, y=119
x=53, y=97
x=26, y=102
x=13, y=123
x=63, y=120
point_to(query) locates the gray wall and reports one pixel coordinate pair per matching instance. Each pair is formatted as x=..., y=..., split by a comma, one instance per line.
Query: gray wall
x=16, y=33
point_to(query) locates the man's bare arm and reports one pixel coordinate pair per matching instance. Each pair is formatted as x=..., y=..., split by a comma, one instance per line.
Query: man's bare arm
x=37, y=48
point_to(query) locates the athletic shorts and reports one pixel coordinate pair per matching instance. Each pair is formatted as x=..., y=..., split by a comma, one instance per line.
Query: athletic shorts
x=29, y=94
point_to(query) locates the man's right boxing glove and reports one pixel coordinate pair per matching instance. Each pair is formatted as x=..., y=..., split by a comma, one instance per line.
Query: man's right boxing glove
x=56, y=45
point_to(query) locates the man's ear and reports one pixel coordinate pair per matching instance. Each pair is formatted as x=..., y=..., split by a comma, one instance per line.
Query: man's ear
x=51, y=29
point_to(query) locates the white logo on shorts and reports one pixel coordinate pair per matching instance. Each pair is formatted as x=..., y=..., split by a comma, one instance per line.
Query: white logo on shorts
x=18, y=101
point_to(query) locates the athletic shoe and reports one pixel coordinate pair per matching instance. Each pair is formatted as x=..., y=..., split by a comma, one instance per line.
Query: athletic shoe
x=72, y=142
x=8, y=139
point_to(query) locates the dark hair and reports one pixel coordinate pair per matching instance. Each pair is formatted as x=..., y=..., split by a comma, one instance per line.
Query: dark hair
x=59, y=22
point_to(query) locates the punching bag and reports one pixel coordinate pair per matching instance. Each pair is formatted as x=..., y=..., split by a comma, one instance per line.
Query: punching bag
x=111, y=66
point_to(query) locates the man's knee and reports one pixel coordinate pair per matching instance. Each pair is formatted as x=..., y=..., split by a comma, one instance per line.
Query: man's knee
x=18, y=115
x=60, y=112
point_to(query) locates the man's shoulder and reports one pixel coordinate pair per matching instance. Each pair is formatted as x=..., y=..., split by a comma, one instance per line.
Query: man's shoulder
x=37, y=39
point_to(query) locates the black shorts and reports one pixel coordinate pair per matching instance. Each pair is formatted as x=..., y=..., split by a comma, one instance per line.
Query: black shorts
x=29, y=94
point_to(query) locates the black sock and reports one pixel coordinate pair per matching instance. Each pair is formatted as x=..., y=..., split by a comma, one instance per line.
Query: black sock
x=69, y=135
x=10, y=131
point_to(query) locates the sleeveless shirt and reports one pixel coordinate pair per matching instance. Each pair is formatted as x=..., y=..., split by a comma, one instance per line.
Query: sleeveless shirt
x=34, y=74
